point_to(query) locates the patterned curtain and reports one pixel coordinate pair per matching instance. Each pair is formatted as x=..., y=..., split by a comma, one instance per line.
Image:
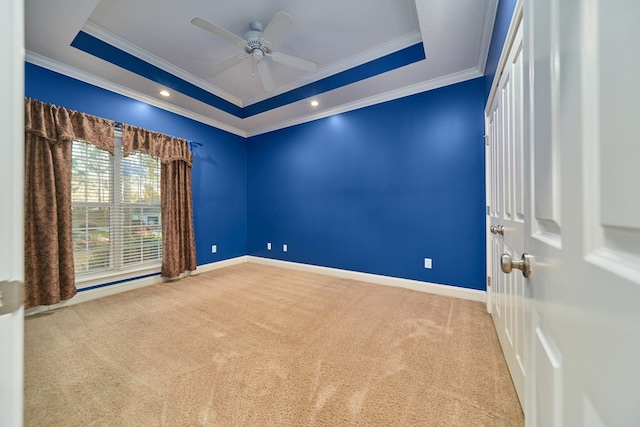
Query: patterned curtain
x=178, y=241
x=48, y=245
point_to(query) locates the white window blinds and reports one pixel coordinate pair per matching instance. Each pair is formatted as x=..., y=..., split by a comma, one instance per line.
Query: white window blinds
x=116, y=209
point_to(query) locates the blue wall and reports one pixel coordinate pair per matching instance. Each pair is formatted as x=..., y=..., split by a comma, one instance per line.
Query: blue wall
x=219, y=165
x=374, y=190
x=500, y=30
x=378, y=189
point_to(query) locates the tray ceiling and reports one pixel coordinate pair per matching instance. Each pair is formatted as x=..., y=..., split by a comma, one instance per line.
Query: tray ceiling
x=367, y=51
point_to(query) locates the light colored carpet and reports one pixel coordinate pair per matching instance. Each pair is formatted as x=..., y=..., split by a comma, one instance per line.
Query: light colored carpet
x=252, y=345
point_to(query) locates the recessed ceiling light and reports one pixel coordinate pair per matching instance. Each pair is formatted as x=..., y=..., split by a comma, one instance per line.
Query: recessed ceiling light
x=165, y=93
x=314, y=103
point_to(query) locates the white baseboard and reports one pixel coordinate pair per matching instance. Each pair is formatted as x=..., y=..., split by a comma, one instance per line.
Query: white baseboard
x=220, y=264
x=416, y=285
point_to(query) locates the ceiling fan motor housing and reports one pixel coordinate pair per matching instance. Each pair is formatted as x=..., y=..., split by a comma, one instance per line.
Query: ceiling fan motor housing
x=255, y=45
x=253, y=39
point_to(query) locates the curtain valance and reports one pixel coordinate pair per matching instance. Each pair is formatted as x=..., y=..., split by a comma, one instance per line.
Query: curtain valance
x=58, y=124
x=163, y=147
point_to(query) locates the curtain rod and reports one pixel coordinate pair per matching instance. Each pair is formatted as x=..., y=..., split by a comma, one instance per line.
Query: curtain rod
x=118, y=126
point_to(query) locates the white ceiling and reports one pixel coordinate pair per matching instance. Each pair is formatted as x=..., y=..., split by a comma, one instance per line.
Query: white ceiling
x=339, y=35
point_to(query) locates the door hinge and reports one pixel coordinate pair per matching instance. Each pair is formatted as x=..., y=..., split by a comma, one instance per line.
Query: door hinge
x=11, y=296
x=488, y=281
x=486, y=139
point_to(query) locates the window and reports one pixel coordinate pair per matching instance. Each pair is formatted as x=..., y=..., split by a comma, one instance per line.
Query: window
x=116, y=210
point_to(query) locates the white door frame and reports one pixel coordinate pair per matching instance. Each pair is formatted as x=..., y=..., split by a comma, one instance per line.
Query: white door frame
x=11, y=208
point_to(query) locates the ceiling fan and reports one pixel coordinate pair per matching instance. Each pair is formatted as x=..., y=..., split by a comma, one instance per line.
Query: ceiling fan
x=257, y=44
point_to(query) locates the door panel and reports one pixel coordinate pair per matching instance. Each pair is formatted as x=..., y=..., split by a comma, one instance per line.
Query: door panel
x=518, y=125
x=585, y=238
x=546, y=153
x=506, y=201
x=548, y=379
x=613, y=240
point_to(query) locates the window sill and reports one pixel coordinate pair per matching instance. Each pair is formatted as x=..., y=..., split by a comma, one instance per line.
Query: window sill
x=113, y=276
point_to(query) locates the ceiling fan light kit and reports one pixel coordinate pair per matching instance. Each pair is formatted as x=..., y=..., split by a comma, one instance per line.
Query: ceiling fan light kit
x=257, y=44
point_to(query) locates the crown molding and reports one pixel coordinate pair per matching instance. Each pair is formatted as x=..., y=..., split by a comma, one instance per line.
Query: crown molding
x=458, y=77
x=516, y=22
x=352, y=62
x=362, y=58
x=68, y=71
x=58, y=67
x=487, y=31
x=122, y=44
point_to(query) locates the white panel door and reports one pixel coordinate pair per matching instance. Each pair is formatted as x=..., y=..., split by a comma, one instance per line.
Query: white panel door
x=506, y=209
x=581, y=88
x=11, y=202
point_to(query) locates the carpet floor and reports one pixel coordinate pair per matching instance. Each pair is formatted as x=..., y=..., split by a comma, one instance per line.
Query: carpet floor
x=254, y=345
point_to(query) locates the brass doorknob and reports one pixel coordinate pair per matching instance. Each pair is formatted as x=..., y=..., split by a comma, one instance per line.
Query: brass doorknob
x=497, y=230
x=524, y=264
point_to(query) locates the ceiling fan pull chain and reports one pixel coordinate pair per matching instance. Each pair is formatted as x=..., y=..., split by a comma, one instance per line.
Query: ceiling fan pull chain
x=253, y=65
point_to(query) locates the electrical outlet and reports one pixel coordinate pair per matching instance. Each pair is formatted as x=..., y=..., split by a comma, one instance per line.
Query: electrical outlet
x=214, y=249
x=269, y=246
x=427, y=263
x=284, y=248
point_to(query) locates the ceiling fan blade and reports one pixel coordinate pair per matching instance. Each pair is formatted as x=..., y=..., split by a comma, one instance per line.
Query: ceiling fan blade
x=199, y=22
x=294, y=61
x=278, y=25
x=265, y=76
x=225, y=65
